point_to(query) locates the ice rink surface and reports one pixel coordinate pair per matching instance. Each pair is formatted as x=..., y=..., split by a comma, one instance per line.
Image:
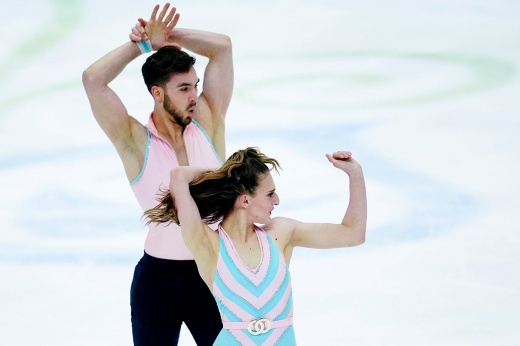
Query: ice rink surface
x=424, y=93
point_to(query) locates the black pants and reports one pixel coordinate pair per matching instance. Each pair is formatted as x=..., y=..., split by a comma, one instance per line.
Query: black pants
x=166, y=293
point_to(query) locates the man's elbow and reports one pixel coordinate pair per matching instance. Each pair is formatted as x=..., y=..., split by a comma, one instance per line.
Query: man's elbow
x=224, y=46
x=90, y=78
x=87, y=77
x=225, y=42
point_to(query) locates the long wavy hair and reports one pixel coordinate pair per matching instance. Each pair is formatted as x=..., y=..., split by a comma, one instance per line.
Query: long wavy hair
x=215, y=192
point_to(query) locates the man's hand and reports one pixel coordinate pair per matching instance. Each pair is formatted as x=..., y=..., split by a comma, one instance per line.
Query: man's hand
x=158, y=28
x=137, y=33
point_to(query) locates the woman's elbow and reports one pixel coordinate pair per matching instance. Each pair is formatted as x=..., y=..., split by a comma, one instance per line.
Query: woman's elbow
x=176, y=176
x=360, y=240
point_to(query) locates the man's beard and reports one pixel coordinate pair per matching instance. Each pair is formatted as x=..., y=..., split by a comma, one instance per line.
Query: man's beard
x=175, y=113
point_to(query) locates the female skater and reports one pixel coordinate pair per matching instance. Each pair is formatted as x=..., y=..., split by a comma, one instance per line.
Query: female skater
x=244, y=265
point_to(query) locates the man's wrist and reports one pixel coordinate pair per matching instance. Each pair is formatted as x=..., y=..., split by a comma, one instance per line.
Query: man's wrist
x=145, y=46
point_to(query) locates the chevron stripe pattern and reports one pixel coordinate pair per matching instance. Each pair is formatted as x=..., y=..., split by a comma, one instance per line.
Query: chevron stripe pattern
x=244, y=294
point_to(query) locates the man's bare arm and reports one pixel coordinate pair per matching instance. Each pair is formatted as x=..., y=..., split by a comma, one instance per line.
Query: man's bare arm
x=109, y=111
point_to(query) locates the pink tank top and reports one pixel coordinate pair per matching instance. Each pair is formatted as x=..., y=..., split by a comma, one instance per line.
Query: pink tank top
x=166, y=241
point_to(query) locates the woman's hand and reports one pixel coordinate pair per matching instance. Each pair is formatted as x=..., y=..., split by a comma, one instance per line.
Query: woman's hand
x=344, y=161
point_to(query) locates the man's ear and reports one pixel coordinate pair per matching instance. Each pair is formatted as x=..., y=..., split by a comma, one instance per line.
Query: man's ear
x=157, y=93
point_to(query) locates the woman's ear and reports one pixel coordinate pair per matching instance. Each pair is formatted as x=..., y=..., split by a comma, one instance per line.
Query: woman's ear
x=243, y=200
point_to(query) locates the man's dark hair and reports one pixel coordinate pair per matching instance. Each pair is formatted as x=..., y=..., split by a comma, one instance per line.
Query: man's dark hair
x=163, y=64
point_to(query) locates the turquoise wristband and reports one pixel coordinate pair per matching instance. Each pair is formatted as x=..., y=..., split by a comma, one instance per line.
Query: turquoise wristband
x=145, y=46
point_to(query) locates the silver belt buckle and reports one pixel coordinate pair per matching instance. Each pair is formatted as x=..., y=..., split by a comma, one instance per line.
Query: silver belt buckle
x=259, y=326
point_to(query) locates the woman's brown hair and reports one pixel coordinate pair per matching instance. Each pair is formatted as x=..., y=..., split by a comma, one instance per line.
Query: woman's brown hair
x=215, y=192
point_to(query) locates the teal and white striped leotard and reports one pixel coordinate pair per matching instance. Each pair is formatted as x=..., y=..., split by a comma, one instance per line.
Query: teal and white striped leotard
x=255, y=304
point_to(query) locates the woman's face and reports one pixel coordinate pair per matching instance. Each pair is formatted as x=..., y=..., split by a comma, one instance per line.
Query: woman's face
x=262, y=203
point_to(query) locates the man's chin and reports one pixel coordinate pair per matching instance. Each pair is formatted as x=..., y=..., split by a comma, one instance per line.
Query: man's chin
x=184, y=121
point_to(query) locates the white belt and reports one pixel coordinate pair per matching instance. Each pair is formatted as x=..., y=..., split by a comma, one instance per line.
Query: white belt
x=258, y=326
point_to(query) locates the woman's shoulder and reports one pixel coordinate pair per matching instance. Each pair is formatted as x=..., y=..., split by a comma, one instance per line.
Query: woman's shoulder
x=280, y=224
x=281, y=229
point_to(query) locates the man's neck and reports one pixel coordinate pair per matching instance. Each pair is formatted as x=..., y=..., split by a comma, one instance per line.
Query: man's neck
x=168, y=129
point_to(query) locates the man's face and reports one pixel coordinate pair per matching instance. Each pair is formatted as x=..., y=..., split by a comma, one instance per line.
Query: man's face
x=181, y=96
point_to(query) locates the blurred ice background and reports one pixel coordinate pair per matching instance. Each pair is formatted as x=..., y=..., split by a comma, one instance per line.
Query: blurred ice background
x=424, y=93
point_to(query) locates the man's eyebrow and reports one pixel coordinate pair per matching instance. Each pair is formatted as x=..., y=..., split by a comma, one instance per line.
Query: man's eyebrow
x=187, y=84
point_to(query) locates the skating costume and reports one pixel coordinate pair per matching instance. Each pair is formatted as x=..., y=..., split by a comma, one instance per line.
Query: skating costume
x=167, y=289
x=255, y=304
x=165, y=241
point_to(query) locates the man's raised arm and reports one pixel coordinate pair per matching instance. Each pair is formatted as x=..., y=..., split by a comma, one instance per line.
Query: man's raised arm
x=107, y=107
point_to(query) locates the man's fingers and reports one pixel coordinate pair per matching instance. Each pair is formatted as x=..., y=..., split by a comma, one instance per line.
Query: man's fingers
x=163, y=12
x=170, y=15
x=176, y=45
x=154, y=12
x=134, y=37
x=142, y=22
x=173, y=22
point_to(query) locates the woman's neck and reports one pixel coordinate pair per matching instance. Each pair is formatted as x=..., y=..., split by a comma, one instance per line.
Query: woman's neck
x=237, y=227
